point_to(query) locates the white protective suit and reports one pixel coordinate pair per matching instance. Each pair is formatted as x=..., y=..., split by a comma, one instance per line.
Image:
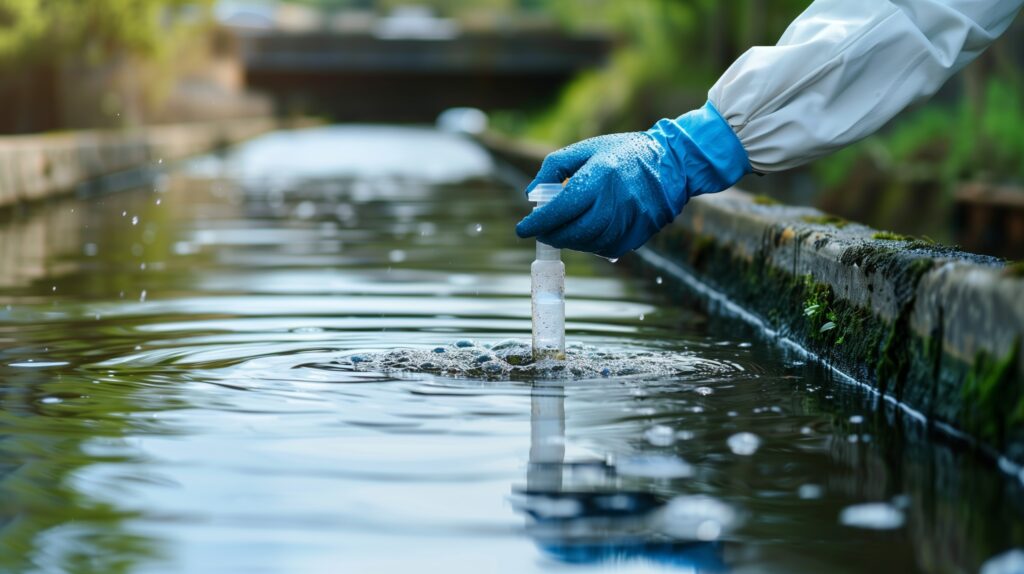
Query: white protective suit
x=845, y=67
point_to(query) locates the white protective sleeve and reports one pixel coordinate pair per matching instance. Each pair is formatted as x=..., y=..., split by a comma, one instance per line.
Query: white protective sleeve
x=845, y=67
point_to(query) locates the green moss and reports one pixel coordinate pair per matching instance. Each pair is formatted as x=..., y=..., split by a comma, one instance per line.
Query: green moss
x=762, y=199
x=892, y=363
x=890, y=236
x=993, y=399
x=833, y=220
x=1014, y=269
x=702, y=244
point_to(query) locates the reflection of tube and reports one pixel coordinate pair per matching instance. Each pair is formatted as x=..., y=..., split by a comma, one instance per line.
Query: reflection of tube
x=547, y=439
x=548, y=275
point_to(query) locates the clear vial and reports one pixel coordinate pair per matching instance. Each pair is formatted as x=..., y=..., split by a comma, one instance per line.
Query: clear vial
x=548, y=289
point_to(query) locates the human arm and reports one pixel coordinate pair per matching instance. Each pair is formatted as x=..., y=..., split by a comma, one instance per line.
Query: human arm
x=841, y=71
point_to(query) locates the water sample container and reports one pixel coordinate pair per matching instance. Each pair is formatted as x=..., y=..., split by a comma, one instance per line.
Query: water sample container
x=548, y=277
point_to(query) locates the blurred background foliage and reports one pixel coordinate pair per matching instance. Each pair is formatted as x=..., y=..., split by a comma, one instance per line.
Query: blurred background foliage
x=72, y=64
x=36, y=30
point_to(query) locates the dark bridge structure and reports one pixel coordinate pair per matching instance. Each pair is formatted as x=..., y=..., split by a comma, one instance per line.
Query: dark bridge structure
x=361, y=77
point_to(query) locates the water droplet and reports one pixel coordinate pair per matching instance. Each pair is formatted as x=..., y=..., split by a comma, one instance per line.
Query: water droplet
x=160, y=161
x=474, y=229
x=659, y=280
x=138, y=347
x=135, y=220
x=305, y=210
x=810, y=491
x=142, y=297
x=90, y=249
x=124, y=214
x=660, y=435
x=856, y=419
x=872, y=515
x=704, y=391
x=159, y=201
x=142, y=266
x=396, y=256
x=685, y=435
x=54, y=288
x=642, y=316
x=744, y=443
x=51, y=400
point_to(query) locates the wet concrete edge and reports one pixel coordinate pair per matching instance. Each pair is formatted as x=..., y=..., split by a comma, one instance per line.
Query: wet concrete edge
x=34, y=167
x=932, y=328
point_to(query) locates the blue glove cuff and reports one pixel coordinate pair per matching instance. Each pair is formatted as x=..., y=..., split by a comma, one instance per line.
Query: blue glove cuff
x=702, y=155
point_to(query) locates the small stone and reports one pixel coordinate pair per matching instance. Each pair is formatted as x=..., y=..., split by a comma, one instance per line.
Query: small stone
x=505, y=344
x=439, y=350
x=463, y=343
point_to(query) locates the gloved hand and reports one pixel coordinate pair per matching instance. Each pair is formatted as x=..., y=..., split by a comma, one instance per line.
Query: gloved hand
x=625, y=187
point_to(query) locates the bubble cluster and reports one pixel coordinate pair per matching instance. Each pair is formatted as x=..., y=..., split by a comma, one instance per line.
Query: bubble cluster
x=513, y=359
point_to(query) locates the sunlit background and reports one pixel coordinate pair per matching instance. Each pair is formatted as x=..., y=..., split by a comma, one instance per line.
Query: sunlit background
x=544, y=70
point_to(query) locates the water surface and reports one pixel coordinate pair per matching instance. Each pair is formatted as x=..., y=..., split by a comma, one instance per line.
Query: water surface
x=180, y=394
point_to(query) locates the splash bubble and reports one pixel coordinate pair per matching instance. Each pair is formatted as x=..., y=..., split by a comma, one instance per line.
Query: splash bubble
x=744, y=443
x=872, y=516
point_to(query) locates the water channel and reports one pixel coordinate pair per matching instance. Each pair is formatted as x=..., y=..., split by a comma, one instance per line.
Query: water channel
x=224, y=371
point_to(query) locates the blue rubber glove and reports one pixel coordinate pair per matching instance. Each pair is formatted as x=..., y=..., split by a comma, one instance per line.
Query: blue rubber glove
x=625, y=187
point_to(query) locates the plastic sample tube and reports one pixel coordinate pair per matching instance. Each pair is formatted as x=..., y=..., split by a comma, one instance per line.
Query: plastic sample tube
x=548, y=289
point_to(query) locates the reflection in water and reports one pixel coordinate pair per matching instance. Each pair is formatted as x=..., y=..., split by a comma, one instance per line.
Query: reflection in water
x=587, y=518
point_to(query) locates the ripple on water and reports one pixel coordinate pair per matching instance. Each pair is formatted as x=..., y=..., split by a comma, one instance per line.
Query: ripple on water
x=512, y=359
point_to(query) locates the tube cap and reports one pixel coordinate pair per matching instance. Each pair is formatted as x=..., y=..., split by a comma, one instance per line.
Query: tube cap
x=544, y=192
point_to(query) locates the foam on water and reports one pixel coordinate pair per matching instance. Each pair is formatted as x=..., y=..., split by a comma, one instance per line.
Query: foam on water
x=513, y=359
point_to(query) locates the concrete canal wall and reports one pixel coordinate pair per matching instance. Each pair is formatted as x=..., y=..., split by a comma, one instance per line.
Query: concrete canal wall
x=33, y=167
x=940, y=330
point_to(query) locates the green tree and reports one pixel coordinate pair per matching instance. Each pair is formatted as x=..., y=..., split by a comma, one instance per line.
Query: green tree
x=48, y=29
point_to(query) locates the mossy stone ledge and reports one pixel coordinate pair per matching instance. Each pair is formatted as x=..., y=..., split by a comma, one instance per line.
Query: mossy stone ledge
x=940, y=330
